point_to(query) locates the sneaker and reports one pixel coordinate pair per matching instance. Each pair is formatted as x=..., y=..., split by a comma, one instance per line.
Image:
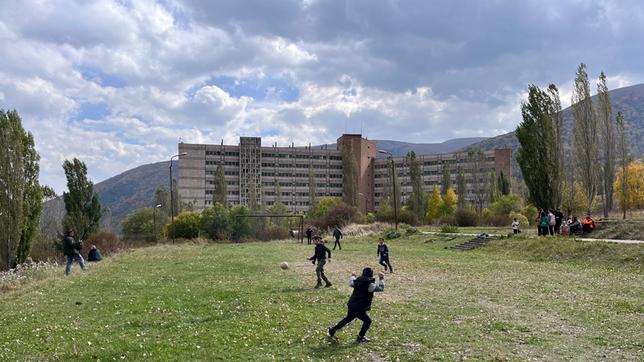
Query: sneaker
x=331, y=332
x=362, y=339
x=328, y=285
x=317, y=286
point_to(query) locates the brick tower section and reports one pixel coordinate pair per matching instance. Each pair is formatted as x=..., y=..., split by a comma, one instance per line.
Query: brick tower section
x=364, y=152
x=503, y=161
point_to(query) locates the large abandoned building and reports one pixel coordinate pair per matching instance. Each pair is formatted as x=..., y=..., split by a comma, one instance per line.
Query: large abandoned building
x=291, y=173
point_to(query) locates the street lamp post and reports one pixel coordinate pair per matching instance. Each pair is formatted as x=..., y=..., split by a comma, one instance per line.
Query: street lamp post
x=393, y=181
x=172, y=194
x=154, y=221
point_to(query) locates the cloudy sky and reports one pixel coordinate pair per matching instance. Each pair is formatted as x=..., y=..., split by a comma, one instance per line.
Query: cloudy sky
x=119, y=83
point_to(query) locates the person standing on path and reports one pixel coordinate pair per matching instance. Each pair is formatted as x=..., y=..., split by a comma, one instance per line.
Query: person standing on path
x=320, y=255
x=71, y=249
x=337, y=234
x=383, y=253
x=360, y=302
x=309, y=234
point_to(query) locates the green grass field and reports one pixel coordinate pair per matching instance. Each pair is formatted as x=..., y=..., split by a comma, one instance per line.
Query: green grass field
x=521, y=299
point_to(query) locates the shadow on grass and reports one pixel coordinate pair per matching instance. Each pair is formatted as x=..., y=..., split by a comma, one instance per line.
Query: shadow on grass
x=329, y=347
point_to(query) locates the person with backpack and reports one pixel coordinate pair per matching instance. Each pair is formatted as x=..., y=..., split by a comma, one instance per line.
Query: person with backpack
x=552, y=221
x=337, y=234
x=360, y=302
x=544, y=222
x=383, y=253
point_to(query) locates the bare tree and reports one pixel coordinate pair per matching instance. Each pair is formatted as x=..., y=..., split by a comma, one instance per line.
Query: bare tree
x=556, y=116
x=480, y=177
x=604, y=113
x=585, y=136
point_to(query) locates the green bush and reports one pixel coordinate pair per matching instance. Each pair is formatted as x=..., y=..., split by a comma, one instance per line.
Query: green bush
x=466, y=217
x=144, y=224
x=275, y=232
x=186, y=225
x=530, y=212
x=495, y=220
x=371, y=218
x=410, y=230
x=215, y=222
x=506, y=204
x=391, y=233
x=240, y=228
x=449, y=229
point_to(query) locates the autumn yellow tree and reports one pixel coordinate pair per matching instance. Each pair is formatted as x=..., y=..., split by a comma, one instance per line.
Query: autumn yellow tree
x=449, y=202
x=434, y=205
x=635, y=185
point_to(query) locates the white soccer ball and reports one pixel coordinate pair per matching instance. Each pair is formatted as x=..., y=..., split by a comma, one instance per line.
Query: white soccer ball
x=284, y=265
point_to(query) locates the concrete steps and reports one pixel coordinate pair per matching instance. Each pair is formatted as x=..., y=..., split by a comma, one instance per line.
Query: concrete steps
x=473, y=243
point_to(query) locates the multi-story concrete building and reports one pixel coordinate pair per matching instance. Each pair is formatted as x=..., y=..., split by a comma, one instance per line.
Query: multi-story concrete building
x=291, y=173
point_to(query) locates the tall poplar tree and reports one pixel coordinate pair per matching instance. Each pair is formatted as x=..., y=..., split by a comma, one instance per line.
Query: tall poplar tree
x=605, y=123
x=536, y=156
x=221, y=192
x=446, y=180
x=81, y=202
x=556, y=116
x=461, y=190
x=417, y=199
x=585, y=137
x=20, y=192
x=623, y=155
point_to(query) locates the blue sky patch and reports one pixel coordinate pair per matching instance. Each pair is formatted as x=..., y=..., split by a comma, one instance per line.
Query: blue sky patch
x=104, y=79
x=95, y=111
x=265, y=89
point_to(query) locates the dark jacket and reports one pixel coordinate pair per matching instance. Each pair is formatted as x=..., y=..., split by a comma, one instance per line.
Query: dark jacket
x=309, y=232
x=321, y=252
x=361, y=297
x=94, y=255
x=383, y=251
x=70, y=247
x=337, y=234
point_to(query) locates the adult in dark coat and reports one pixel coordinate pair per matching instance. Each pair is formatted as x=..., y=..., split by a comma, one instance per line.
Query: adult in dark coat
x=309, y=234
x=94, y=254
x=71, y=249
x=337, y=234
x=360, y=302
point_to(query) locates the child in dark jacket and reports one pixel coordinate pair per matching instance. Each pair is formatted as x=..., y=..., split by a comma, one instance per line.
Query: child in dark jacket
x=383, y=253
x=320, y=255
x=360, y=302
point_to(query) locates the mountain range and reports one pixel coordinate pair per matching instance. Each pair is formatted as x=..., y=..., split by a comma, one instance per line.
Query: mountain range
x=135, y=188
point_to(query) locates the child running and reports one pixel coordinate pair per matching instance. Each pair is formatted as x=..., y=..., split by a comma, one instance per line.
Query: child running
x=383, y=253
x=360, y=302
x=320, y=255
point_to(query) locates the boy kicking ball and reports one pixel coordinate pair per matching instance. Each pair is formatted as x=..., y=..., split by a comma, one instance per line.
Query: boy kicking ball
x=360, y=302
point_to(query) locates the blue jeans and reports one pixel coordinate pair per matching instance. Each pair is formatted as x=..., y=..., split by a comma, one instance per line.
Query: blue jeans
x=70, y=260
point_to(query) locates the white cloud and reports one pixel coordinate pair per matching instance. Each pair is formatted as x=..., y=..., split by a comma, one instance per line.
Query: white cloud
x=407, y=71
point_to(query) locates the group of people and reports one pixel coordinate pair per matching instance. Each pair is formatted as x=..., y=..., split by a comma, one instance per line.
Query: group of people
x=551, y=222
x=72, y=251
x=363, y=286
x=337, y=235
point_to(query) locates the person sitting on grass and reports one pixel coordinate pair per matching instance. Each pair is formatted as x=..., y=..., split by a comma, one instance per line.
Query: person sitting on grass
x=574, y=226
x=588, y=225
x=360, y=302
x=94, y=254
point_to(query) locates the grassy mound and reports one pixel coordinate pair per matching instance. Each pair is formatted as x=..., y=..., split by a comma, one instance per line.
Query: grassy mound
x=232, y=302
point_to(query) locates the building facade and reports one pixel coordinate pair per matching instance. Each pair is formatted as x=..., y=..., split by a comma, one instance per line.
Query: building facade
x=261, y=175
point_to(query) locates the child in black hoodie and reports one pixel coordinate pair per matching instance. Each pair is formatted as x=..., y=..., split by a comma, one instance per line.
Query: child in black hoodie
x=360, y=302
x=320, y=256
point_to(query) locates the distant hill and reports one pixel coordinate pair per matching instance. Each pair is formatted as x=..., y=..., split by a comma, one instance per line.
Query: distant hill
x=628, y=100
